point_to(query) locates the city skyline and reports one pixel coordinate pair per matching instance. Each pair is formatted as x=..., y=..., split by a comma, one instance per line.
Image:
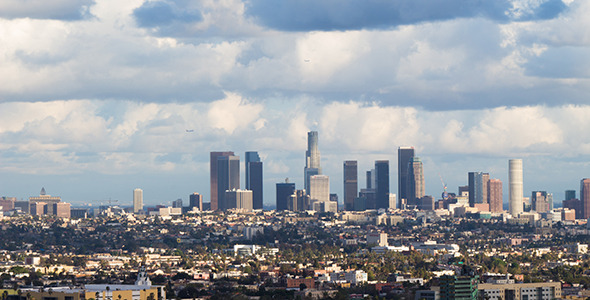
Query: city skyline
x=103, y=97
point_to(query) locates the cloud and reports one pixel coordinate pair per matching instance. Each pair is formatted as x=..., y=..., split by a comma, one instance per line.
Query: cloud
x=40, y=9
x=164, y=13
x=309, y=15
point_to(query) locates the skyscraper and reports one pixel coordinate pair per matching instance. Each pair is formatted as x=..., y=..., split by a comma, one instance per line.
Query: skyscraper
x=319, y=188
x=585, y=197
x=137, y=200
x=284, y=192
x=350, y=183
x=196, y=200
x=540, y=201
x=515, y=186
x=213, y=176
x=478, y=188
x=404, y=155
x=382, y=188
x=416, y=185
x=312, y=158
x=495, y=195
x=254, y=178
x=228, y=178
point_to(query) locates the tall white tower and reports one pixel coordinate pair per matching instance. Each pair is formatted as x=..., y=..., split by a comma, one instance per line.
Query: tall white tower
x=515, y=186
x=137, y=200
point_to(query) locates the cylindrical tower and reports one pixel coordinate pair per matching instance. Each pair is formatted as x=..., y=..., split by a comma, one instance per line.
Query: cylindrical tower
x=515, y=186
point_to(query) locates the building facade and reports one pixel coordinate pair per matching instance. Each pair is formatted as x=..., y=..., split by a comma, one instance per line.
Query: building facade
x=213, y=176
x=350, y=183
x=312, y=159
x=416, y=185
x=254, y=178
x=404, y=156
x=228, y=178
x=137, y=200
x=495, y=195
x=284, y=192
x=382, y=188
x=515, y=186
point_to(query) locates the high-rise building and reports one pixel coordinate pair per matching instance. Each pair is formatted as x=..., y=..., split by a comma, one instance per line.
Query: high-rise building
x=195, y=200
x=177, y=203
x=495, y=195
x=540, y=201
x=7, y=203
x=515, y=186
x=254, y=178
x=213, y=176
x=47, y=199
x=284, y=192
x=416, y=184
x=62, y=210
x=137, y=200
x=238, y=199
x=350, y=183
x=299, y=201
x=228, y=178
x=478, y=188
x=574, y=204
x=312, y=158
x=585, y=197
x=319, y=188
x=570, y=194
x=404, y=155
x=382, y=188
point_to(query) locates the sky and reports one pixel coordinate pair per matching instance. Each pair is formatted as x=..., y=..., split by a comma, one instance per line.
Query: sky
x=100, y=97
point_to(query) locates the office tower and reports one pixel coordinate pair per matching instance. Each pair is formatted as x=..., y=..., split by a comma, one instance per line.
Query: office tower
x=137, y=200
x=62, y=210
x=7, y=203
x=574, y=204
x=195, y=200
x=495, y=195
x=284, y=192
x=299, y=201
x=371, y=177
x=254, y=178
x=463, y=190
x=238, y=199
x=319, y=188
x=515, y=189
x=459, y=287
x=478, y=188
x=416, y=185
x=228, y=178
x=368, y=195
x=213, y=176
x=585, y=197
x=177, y=203
x=22, y=205
x=38, y=208
x=382, y=188
x=312, y=158
x=426, y=203
x=540, y=201
x=404, y=155
x=570, y=194
x=350, y=183
x=47, y=199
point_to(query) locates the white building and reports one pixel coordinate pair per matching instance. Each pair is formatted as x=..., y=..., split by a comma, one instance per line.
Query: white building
x=137, y=200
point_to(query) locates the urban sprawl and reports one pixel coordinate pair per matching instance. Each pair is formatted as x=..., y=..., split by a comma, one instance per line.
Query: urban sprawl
x=374, y=245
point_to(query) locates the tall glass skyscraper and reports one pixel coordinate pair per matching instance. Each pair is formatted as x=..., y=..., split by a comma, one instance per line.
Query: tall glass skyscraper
x=213, y=176
x=404, y=155
x=254, y=178
x=228, y=178
x=312, y=159
x=382, y=188
x=350, y=183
